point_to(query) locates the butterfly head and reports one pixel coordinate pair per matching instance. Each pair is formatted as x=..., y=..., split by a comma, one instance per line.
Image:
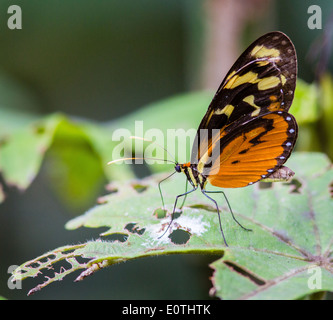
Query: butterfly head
x=182, y=167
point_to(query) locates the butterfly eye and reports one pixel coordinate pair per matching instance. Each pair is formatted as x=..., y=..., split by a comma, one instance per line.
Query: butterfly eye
x=177, y=168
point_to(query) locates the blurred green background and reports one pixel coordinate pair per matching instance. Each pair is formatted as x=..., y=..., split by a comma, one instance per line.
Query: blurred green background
x=101, y=60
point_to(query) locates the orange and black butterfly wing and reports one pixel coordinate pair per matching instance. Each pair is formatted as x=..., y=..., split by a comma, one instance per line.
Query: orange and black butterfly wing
x=249, y=150
x=262, y=80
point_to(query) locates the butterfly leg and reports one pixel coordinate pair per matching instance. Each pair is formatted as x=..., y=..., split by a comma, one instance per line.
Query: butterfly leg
x=232, y=214
x=174, y=209
x=218, y=213
x=159, y=188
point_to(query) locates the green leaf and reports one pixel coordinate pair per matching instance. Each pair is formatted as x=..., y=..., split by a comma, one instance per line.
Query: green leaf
x=23, y=150
x=292, y=233
x=69, y=151
x=326, y=99
x=305, y=106
x=64, y=168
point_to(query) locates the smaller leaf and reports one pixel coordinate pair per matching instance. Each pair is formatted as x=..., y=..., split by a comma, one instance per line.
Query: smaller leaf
x=305, y=106
x=64, y=167
x=22, y=152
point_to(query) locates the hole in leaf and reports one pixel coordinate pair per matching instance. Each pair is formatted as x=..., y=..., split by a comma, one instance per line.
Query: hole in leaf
x=120, y=237
x=331, y=189
x=139, y=187
x=33, y=265
x=82, y=260
x=47, y=258
x=65, y=252
x=130, y=227
x=160, y=213
x=177, y=213
x=57, y=267
x=179, y=236
x=245, y=273
x=21, y=271
x=133, y=228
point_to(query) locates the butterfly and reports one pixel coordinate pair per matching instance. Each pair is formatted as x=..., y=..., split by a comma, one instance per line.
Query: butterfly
x=247, y=133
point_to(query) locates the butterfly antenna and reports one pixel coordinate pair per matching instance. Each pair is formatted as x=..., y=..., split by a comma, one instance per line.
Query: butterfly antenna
x=135, y=158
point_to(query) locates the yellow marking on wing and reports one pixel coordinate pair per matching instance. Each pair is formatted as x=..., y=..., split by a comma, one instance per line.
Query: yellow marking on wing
x=268, y=83
x=211, y=150
x=250, y=101
x=209, y=117
x=227, y=110
x=283, y=79
x=251, y=77
x=262, y=51
x=231, y=75
x=263, y=63
x=235, y=81
x=203, y=161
